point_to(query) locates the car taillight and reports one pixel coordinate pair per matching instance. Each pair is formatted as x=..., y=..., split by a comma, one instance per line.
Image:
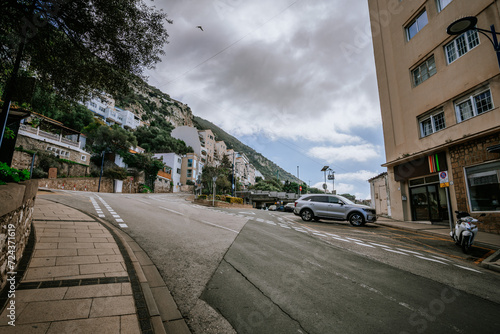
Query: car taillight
x=295, y=204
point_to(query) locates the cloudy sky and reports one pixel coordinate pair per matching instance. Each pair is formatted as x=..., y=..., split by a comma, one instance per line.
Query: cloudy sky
x=293, y=79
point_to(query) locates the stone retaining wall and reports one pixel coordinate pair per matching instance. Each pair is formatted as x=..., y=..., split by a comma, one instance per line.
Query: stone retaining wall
x=222, y=204
x=17, y=201
x=89, y=184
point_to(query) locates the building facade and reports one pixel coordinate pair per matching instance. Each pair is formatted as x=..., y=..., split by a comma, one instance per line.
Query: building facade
x=439, y=97
x=174, y=164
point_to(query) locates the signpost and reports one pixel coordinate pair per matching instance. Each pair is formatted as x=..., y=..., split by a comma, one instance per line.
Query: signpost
x=444, y=182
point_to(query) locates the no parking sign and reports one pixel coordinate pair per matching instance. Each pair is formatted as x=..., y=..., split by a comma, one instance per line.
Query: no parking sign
x=443, y=179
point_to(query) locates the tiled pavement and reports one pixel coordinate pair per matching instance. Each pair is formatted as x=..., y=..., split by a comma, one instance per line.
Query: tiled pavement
x=85, y=276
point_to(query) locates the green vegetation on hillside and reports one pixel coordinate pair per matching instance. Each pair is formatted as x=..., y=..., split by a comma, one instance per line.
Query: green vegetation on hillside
x=268, y=168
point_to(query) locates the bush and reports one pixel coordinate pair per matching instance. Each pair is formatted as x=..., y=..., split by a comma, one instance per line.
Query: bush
x=8, y=174
x=235, y=200
x=38, y=173
x=202, y=197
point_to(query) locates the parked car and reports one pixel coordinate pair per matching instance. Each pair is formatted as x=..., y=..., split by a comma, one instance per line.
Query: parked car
x=272, y=207
x=334, y=207
x=289, y=207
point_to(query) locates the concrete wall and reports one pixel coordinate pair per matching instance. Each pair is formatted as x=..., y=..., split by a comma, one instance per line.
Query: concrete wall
x=16, y=214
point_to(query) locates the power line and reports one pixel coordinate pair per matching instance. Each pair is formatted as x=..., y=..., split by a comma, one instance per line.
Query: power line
x=229, y=46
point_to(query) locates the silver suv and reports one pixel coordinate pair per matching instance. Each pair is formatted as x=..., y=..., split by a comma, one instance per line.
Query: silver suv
x=333, y=207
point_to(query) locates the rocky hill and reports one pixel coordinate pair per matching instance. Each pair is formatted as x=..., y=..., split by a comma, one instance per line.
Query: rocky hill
x=149, y=103
x=152, y=105
x=268, y=168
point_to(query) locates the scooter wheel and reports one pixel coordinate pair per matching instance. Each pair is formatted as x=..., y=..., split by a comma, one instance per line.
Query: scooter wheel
x=466, y=244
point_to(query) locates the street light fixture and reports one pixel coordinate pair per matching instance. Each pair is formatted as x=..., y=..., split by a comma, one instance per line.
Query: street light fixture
x=324, y=169
x=213, y=198
x=469, y=23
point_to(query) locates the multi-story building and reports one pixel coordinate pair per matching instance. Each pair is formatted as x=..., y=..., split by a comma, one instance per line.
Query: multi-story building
x=191, y=168
x=438, y=95
x=220, y=151
x=191, y=137
x=174, y=168
x=207, y=141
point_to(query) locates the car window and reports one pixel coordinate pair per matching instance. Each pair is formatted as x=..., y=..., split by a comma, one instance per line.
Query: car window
x=323, y=199
x=333, y=200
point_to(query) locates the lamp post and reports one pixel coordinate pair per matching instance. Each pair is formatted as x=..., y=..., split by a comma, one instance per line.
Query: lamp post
x=469, y=23
x=324, y=169
x=213, y=183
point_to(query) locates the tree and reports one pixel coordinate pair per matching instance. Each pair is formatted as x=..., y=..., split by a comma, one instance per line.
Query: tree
x=110, y=139
x=146, y=163
x=158, y=140
x=78, y=47
x=71, y=114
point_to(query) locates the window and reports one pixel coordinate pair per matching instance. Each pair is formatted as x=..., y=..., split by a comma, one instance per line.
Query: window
x=190, y=162
x=473, y=106
x=416, y=25
x=483, y=186
x=432, y=123
x=461, y=45
x=83, y=158
x=178, y=170
x=424, y=71
x=442, y=3
x=189, y=173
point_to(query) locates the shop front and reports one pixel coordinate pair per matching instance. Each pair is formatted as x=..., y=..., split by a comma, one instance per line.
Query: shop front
x=426, y=199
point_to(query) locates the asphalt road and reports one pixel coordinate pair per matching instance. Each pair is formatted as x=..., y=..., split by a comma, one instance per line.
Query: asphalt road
x=268, y=272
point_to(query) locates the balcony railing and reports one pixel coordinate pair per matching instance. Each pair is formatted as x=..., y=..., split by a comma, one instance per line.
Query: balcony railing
x=48, y=135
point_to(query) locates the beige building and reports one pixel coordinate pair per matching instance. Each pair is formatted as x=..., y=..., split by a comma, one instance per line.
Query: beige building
x=207, y=141
x=439, y=98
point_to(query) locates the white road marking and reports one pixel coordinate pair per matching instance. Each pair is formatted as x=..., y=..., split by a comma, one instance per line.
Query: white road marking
x=395, y=251
x=409, y=251
x=467, y=268
x=223, y=227
x=363, y=244
x=379, y=245
x=353, y=239
x=123, y=225
x=173, y=211
x=429, y=259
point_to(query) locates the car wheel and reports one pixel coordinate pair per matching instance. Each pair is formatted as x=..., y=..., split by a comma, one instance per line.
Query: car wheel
x=356, y=219
x=307, y=215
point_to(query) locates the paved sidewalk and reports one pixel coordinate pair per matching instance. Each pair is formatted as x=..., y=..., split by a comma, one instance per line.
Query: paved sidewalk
x=86, y=276
x=490, y=240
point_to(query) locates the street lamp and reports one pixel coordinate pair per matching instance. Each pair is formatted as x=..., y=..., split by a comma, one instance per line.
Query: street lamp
x=213, y=183
x=324, y=169
x=469, y=23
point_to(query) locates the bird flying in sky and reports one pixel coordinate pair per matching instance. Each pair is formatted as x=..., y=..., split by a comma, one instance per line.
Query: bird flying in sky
x=200, y=28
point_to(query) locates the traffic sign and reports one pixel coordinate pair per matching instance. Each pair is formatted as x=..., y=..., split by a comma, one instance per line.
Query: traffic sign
x=300, y=188
x=443, y=179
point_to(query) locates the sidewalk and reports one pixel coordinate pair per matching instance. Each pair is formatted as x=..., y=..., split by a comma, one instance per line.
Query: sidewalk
x=87, y=276
x=490, y=240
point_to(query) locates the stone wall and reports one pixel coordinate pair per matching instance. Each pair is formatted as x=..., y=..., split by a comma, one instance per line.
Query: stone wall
x=22, y=160
x=222, y=204
x=469, y=154
x=88, y=184
x=16, y=214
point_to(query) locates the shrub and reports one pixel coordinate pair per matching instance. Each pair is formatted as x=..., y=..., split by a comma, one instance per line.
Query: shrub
x=202, y=197
x=38, y=173
x=116, y=173
x=235, y=200
x=8, y=174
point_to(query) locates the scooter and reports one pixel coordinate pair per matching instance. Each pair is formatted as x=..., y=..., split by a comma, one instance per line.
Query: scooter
x=465, y=230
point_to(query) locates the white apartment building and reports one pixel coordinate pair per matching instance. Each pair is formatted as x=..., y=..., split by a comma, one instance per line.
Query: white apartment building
x=191, y=137
x=174, y=162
